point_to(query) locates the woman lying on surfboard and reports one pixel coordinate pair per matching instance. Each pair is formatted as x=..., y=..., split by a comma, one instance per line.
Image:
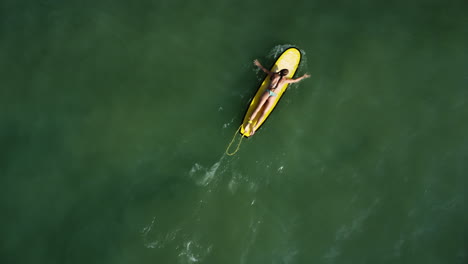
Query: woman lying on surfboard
x=266, y=101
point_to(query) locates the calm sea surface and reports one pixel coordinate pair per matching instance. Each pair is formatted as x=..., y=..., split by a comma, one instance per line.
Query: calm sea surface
x=115, y=117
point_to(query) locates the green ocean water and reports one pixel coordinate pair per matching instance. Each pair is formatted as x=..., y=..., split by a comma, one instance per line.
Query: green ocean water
x=115, y=117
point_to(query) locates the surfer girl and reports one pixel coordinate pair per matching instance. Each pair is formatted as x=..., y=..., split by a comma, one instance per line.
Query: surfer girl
x=277, y=79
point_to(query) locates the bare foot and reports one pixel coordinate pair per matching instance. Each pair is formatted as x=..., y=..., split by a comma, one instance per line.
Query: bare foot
x=247, y=128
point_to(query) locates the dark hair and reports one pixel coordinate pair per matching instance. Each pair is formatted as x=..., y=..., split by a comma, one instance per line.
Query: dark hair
x=284, y=72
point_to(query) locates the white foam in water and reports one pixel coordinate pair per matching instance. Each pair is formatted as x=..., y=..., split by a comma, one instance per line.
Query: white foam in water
x=234, y=182
x=247, y=247
x=255, y=222
x=450, y=204
x=228, y=124
x=253, y=187
x=148, y=228
x=345, y=231
x=161, y=240
x=202, y=175
x=155, y=244
x=280, y=169
x=187, y=254
x=333, y=252
x=193, y=252
x=277, y=50
x=195, y=168
x=209, y=175
x=289, y=256
x=239, y=181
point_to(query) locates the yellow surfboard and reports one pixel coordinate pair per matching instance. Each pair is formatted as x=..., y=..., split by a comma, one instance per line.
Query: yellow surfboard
x=290, y=60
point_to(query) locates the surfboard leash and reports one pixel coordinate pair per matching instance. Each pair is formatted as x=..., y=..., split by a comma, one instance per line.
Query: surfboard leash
x=232, y=141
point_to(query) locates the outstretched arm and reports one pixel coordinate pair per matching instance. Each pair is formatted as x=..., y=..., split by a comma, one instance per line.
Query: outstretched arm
x=256, y=62
x=298, y=79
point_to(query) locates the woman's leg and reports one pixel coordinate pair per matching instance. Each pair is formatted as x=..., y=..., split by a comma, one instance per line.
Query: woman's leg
x=263, y=99
x=268, y=104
